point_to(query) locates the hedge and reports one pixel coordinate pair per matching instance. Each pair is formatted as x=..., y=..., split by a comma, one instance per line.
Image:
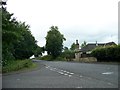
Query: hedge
x=108, y=53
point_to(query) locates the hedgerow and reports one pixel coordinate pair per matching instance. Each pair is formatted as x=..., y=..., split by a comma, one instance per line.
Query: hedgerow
x=107, y=53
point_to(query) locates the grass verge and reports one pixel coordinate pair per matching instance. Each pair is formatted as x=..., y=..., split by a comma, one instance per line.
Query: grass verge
x=18, y=65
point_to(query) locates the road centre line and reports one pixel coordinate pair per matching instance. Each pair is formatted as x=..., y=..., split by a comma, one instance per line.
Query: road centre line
x=63, y=72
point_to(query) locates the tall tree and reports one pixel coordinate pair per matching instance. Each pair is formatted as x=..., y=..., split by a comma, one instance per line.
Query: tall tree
x=54, y=41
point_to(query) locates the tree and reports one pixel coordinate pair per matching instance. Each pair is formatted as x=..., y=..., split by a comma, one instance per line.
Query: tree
x=83, y=44
x=38, y=51
x=54, y=41
x=66, y=48
x=17, y=40
x=73, y=46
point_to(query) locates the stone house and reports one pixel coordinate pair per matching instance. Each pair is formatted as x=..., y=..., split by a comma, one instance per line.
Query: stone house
x=85, y=51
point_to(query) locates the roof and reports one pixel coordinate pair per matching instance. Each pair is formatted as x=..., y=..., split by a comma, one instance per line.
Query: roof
x=92, y=46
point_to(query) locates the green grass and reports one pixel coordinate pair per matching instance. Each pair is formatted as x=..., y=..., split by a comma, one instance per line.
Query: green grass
x=18, y=65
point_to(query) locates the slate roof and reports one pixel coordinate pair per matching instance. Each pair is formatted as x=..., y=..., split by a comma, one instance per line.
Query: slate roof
x=92, y=46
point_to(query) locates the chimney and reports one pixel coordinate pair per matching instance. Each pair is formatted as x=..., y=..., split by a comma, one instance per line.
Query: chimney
x=77, y=44
x=76, y=41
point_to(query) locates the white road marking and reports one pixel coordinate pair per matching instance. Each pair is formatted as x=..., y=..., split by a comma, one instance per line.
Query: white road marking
x=79, y=87
x=64, y=71
x=107, y=73
x=54, y=68
x=18, y=79
x=51, y=69
x=61, y=73
x=81, y=76
x=71, y=73
x=110, y=83
x=65, y=74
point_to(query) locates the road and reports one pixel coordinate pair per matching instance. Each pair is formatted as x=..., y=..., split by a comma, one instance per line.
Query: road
x=58, y=74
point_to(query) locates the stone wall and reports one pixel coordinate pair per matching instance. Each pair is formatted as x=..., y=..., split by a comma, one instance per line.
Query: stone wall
x=87, y=59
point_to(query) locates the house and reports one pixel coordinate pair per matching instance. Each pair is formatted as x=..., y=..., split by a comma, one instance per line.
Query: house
x=90, y=46
x=85, y=51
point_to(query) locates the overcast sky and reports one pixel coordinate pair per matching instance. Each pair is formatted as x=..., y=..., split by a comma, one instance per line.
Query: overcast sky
x=89, y=20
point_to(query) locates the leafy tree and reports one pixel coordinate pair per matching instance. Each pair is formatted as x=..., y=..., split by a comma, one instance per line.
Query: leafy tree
x=38, y=51
x=83, y=44
x=54, y=41
x=66, y=48
x=9, y=35
x=17, y=40
x=26, y=45
x=73, y=46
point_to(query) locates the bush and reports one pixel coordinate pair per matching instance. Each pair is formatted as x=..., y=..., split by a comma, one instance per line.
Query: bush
x=108, y=53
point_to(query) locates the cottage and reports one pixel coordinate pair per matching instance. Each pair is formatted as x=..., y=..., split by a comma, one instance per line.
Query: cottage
x=86, y=50
x=90, y=46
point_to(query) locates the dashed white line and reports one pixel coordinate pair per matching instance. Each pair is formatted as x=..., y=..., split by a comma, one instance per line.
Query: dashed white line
x=51, y=69
x=108, y=73
x=65, y=74
x=110, y=83
x=81, y=76
x=54, y=68
x=18, y=79
x=64, y=71
x=71, y=73
x=79, y=87
x=61, y=73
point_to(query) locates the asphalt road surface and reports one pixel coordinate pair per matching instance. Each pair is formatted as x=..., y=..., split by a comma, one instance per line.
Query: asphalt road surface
x=58, y=74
